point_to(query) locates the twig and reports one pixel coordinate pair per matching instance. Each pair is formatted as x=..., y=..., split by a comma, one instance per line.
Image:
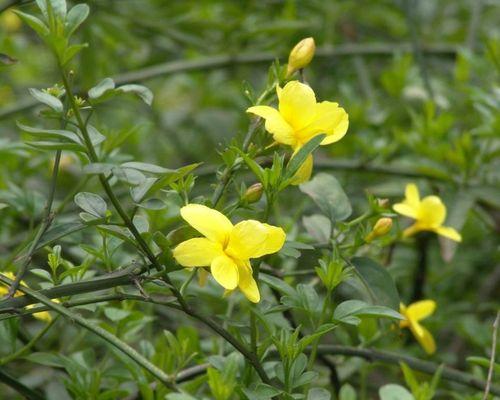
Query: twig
x=30, y=344
x=420, y=276
x=104, y=334
x=492, y=358
x=224, y=61
x=48, y=217
x=20, y=387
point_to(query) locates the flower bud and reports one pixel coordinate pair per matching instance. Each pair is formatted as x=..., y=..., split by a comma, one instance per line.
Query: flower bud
x=10, y=21
x=384, y=203
x=254, y=193
x=301, y=55
x=381, y=228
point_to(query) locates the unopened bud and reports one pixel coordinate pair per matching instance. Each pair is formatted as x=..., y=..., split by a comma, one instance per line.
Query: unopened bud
x=301, y=55
x=381, y=228
x=254, y=193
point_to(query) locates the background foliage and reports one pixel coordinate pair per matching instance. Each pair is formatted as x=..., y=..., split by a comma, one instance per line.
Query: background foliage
x=419, y=80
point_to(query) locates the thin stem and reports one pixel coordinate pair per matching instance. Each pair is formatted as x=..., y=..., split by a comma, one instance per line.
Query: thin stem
x=104, y=334
x=23, y=350
x=46, y=222
x=421, y=269
x=492, y=358
x=20, y=387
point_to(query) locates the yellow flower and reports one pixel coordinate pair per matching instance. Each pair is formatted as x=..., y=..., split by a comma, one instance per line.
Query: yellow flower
x=299, y=118
x=413, y=314
x=42, y=315
x=429, y=214
x=227, y=248
x=301, y=55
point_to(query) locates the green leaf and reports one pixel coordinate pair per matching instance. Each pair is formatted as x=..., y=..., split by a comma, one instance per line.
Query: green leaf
x=394, y=392
x=318, y=394
x=261, y=391
x=34, y=23
x=347, y=392
x=278, y=284
x=98, y=168
x=483, y=362
x=72, y=51
x=145, y=167
x=327, y=193
x=75, y=17
x=349, y=312
x=58, y=8
x=142, y=91
x=377, y=282
x=47, y=99
x=91, y=203
x=298, y=159
x=101, y=88
x=51, y=134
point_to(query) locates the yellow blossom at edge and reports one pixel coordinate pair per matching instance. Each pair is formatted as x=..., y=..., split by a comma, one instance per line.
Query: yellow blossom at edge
x=429, y=214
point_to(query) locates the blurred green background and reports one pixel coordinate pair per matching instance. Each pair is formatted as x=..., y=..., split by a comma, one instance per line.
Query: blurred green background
x=419, y=79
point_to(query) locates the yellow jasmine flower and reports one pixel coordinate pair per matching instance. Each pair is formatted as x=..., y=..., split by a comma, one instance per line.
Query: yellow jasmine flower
x=429, y=214
x=299, y=118
x=42, y=315
x=413, y=314
x=227, y=248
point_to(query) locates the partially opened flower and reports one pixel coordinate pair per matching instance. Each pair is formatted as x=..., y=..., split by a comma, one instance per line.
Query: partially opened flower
x=299, y=118
x=42, y=315
x=429, y=214
x=413, y=314
x=227, y=248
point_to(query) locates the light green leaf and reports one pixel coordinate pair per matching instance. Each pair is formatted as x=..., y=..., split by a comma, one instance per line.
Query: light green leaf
x=101, y=88
x=327, y=193
x=349, y=312
x=47, y=99
x=142, y=91
x=75, y=17
x=91, y=203
x=394, y=392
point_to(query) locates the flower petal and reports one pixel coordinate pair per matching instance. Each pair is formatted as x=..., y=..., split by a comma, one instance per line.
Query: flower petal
x=411, y=230
x=246, y=239
x=303, y=174
x=225, y=272
x=420, y=309
x=424, y=337
x=412, y=195
x=274, y=241
x=197, y=252
x=247, y=283
x=431, y=212
x=275, y=124
x=405, y=209
x=330, y=119
x=297, y=104
x=449, y=232
x=209, y=222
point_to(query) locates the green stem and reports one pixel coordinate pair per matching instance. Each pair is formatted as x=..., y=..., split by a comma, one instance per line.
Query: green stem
x=104, y=334
x=20, y=387
x=23, y=350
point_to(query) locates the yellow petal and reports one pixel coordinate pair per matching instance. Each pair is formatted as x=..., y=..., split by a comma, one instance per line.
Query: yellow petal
x=246, y=239
x=303, y=174
x=420, y=309
x=431, y=212
x=448, y=232
x=225, y=272
x=297, y=104
x=275, y=124
x=202, y=276
x=209, y=222
x=424, y=337
x=330, y=119
x=405, y=209
x=411, y=230
x=274, y=241
x=4, y=287
x=412, y=195
x=402, y=310
x=247, y=283
x=197, y=252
